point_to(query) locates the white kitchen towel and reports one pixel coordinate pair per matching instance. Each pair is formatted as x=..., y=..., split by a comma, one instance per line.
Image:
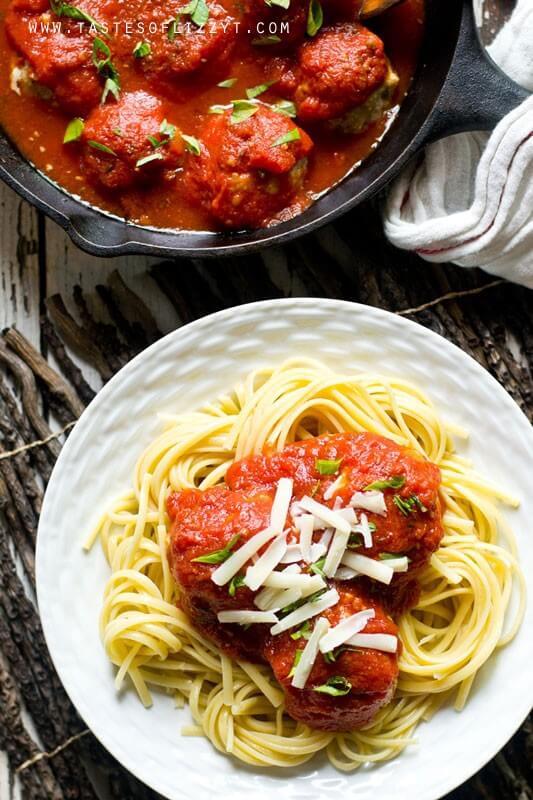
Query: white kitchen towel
x=470, y=198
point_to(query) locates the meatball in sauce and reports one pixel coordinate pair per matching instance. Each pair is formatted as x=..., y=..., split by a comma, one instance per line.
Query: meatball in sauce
x=358, y=476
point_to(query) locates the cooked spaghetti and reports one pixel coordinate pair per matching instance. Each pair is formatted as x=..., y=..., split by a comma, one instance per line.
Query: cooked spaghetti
x=467, y=588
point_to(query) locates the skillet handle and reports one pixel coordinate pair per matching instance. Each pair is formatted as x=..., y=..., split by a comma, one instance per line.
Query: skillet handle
x=476, y=94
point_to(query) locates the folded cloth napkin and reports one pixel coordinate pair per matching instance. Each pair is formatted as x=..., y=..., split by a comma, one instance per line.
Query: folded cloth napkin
x=470, y=199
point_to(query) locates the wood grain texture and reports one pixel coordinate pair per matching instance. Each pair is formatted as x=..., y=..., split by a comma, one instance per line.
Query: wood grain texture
x=99, y=314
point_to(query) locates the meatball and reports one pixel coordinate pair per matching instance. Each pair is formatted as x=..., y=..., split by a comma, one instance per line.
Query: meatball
x=364, y=458
x=371, y=675
x=341, y=77
x=128, y=142
x=204, y=523
x=60, y=58
x=250, y=166
x=187, y=48
x=273, y=28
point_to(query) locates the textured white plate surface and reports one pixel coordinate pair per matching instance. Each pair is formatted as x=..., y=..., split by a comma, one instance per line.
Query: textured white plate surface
x=182, y=371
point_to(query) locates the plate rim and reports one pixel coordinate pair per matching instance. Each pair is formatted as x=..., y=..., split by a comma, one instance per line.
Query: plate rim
x=518, y=717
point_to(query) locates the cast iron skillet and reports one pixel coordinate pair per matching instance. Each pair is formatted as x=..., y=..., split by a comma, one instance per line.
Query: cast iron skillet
x=456, y=89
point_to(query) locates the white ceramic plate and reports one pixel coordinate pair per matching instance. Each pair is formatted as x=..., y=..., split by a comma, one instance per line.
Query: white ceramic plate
x=182, y=371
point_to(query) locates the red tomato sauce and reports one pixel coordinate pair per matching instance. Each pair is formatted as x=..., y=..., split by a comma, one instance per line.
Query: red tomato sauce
x=37, y=126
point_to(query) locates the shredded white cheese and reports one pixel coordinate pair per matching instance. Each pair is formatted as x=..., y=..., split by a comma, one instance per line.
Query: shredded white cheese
x=369, y=567
x=317, y=551
x=309, y=654
x=345, y=574
x=385, y=642
x=292, y=580
x=327, y=515
x=308, y=610
x=293, y=554
x=334, y=487
x=305, y=526
x=238, y=559
x=265, y=564
x=345, y=629
x=371, y=501
x=364, y=529
x=335, y=552
x=246, y=617
x=400, y=564
x=280, y=506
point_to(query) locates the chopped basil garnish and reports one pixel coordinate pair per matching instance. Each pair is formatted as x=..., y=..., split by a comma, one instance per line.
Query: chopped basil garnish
x=219, y=556
x=312, y=598
x=390, y=556
x=227, y=84
x=191, y=144
x=255, y=91
x=356, y=540
x=148, y=159
x=318, y=567
x=325, y=466
x=72, y=12
x=408, y=504
x=315, y=17
x=266, y=41
x=197, y=10
x=290, y=136
x=168, y=130
x=236, y=582
x=118, y=132
x=286, y=107
x=280, y=3
x=102, y=147
x=74, y=130
x=242, y=109
x=337, y=686
x=396, y=482
x=142, y=49
x=102, y=62
x=297, y=658
x=330, y=657
x=302, y=633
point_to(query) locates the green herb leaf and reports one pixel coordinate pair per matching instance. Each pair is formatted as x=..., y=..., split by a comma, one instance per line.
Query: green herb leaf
x=315, y=17
x=266, y=41
x=242, y=109
x=406, y=505
x=168, y=130
x=297, y=658
x=142, y=49
x=286, y=107
x=118, y=132
x=111, y=86
x=227, y=84
x=236, y=582
x=355, y=540
x=390, y=556
x=279, y=3
x=336, y=686
x=255, y=91
x=74, y=130
x=197, y=10
x=318, y=567
x=72, y=12
x=290, y=136
x=302, y=633
x=219, y=556
x=218, y=109
x=148, y=159
x=330, y=657
x=191, y=144
x=99, y=46
x=102, y=147
x=325, y=466
x=396, y=482
x=312, y=598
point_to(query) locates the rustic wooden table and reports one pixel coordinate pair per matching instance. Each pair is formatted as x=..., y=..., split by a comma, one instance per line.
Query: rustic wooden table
x=71, y=321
